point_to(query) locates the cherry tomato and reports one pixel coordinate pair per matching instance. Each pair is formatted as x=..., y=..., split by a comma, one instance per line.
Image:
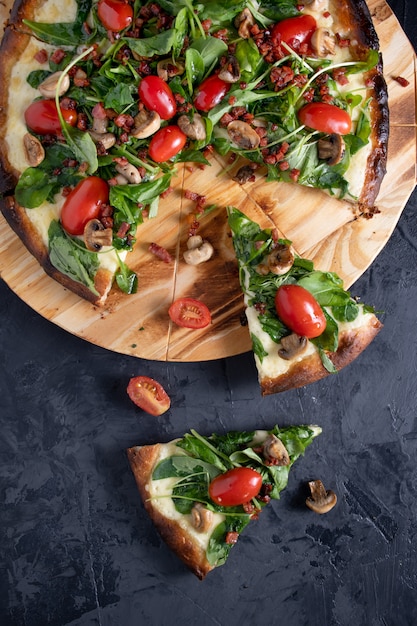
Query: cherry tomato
x=83, y=204
x=211, y=92
x=166, y=143
x=148, y=395
x=237, y=486
x=300, y=311
x=327, y=118
x=295, y=30
x=189, y=313
x=157, y=96
x=115, y=15
x=41, y=116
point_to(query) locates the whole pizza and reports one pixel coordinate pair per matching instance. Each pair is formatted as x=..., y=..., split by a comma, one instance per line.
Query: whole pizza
x=104, y=102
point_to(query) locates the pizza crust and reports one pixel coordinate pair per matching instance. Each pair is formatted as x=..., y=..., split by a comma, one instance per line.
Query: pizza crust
x=143, y=460
x=310, y=369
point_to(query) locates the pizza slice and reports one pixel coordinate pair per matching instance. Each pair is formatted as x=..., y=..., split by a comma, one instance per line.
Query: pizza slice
x=99, y=107
x=302, y=323
x=201, y=492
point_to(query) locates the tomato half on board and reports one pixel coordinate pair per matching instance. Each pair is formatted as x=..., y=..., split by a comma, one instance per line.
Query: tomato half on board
x=236, y=486
x=294, y=31
x=157, y=96
x=189, y=313
x=148, y=395
x=166, y=143
x=84, y=204
x=41, y=116
x=210, y=93
x=326, y=118
x=298, y=309
x=115, y=15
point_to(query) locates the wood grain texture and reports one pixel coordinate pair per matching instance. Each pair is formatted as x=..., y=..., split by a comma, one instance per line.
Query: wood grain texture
x=320, y=228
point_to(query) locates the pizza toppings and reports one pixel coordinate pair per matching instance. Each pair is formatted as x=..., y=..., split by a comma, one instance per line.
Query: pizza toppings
x=198, y=250
x=236, y=486
x=115, y=15
x=201, y=517
x=189, y=313
x=84, y=204
x=34, y=150
x=321, y=500
x=96, y=235
x=325, y=117
x=148, y=395
x=42, y=117
x=292, y=346
x=157, y=96
x=331, y=148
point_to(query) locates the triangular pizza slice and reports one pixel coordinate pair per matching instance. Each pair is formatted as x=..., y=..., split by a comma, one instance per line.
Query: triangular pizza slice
x=201, y=492
x=303, y=324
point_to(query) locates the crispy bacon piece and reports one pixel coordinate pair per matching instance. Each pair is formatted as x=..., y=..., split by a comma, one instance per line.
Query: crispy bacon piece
x=160, y=252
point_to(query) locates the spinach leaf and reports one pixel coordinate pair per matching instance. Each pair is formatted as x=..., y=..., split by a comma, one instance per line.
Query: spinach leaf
x=258, y=348
x=33, y=187
x=159, y=44
x=71, y=258
x=118, y=97
x=64, y=33
x=181, y=466
x=194, y=68
x=126, y=279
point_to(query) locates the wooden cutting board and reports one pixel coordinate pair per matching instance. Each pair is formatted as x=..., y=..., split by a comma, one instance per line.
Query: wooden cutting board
x=320, y=228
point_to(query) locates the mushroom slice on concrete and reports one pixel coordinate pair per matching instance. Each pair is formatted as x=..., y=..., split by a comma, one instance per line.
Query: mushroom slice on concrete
x=321, y=500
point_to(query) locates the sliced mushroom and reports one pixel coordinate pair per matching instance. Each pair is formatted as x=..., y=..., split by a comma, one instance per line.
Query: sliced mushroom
x=49, y=86
x=243, y=135
x=245, y=174
x=168, y=68
x=96, y=236
x=230, y=72
x=194, y=128
x=146, y=124
x=244, y=22
x=331, y=148
x=198, y=251
x=130, y=172
x=34, y=151
x=100, y=125
x=274, y=451
x=106, y=139
x=321, y=500
x=279, y=261
x=292, y=345
x=323, y=42
x=201, y=517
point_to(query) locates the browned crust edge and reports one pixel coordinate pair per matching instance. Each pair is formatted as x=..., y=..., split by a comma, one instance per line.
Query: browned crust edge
x=142, y=461
x=18, y=220
x=311, y=369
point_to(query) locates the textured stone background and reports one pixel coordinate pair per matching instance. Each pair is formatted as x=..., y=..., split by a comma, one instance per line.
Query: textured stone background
x=76, y=545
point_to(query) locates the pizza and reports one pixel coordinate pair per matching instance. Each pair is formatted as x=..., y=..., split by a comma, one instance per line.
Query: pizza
x=303, y=324
x=104, y=102
x=201, y=492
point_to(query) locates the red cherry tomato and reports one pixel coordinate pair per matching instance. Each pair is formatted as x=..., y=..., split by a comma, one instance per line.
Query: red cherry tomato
x=295, y=30
x=327, y=118
x=41, y=116
x=210, y=93
x=157, y=96
x=115, y=15
x=189, y=313
x=148, y=395
x=83, y=204
x=237, y=486
x=300, y=311
x=166, y=143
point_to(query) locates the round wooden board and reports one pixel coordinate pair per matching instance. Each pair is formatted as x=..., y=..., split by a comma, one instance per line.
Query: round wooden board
x=320, y=228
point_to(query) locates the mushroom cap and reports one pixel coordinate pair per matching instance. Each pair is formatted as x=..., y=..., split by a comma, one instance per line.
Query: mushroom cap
x=321, y=500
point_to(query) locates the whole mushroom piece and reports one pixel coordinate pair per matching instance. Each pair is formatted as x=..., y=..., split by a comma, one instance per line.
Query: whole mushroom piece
x=321, y=500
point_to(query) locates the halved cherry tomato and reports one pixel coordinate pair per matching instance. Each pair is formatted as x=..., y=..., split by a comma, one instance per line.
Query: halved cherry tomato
x=157, y=96
x=148, y=395
x=41, y=116
x=189, y=313
x=115, y=15
x=300, y=311
x=237, y=486
x=83, y=204
x=210, y=93
x=327, y=118
x=166, y=143
x=295, y=30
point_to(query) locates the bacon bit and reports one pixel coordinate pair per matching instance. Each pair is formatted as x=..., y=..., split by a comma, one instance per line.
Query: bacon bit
x=231, y=537
x=275, y=235
x=83, y=167
x=232, y=100
x=41, y=56
x=165, y=193
x=107, y=221
x=124, y=121
x=160, y=253
x=342, y=42
x=260, y=307
x=326, y=14
x=66, y=191
x=206, y=24
x=82, y=121
x=402, y=81
x=339, y=74
x=68, y=104
x=284, y=165
x=123, y=230
x=57, y=56
x=295, y=174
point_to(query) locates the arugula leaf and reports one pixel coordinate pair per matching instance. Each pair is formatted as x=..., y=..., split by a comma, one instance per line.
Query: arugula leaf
x=63, y=34
x=71, y=258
